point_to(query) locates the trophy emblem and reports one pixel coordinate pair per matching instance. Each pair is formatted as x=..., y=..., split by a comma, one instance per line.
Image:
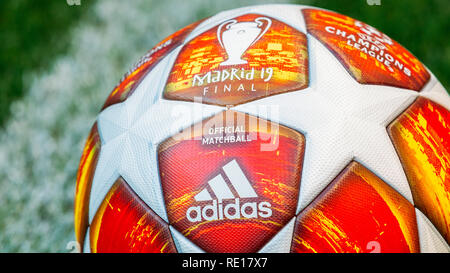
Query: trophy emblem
x=236, y=37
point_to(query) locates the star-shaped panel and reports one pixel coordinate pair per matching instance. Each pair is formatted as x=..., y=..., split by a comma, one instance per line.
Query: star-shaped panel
x=342, y=121
x=130, y=132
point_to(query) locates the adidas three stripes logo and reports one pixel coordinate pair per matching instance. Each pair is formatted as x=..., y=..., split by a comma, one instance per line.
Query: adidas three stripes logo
x=220, y=188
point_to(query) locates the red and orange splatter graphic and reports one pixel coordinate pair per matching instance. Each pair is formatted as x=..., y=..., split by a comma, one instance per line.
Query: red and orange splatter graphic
x=276, y=63
x=421, y=136
x=358, y=212
x=132, y=79
x=187, y=164
x=125, y=224
x=85, y=174
x=368, y=55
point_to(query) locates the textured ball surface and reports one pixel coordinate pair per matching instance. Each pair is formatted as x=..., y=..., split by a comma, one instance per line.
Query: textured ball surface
x=273, y=128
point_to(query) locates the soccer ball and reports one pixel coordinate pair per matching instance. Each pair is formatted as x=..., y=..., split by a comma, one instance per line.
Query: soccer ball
x=272, y=128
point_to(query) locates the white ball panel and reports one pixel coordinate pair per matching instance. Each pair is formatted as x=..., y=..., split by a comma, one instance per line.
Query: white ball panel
x=182, y=244
x=149, y=91
x=106, y=173
x=281, y=242
x=131, y=131
x=289, y=14
x=87, y=242
x=342, y=121
x=111, y=122
x=139, y=168
x=430, y=239
x=438, y=94
x=215, y=20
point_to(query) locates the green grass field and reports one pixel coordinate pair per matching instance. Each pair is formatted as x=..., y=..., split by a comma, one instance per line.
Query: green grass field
x=33, y=34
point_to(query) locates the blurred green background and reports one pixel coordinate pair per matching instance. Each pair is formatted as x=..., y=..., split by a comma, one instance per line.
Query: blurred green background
x=35, y=32
x=58, y=62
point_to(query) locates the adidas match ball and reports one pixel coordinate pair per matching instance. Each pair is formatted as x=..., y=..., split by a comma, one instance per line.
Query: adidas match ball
x=273, y=128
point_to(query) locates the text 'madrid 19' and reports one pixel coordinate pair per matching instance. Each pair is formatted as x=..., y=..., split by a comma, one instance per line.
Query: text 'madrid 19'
x=273, y=128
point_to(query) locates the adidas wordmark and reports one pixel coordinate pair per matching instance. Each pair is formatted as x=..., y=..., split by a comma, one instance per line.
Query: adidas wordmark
x=218, y=209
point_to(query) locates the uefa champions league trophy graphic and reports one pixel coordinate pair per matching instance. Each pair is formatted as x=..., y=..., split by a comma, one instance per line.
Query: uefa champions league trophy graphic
x=238, y=37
